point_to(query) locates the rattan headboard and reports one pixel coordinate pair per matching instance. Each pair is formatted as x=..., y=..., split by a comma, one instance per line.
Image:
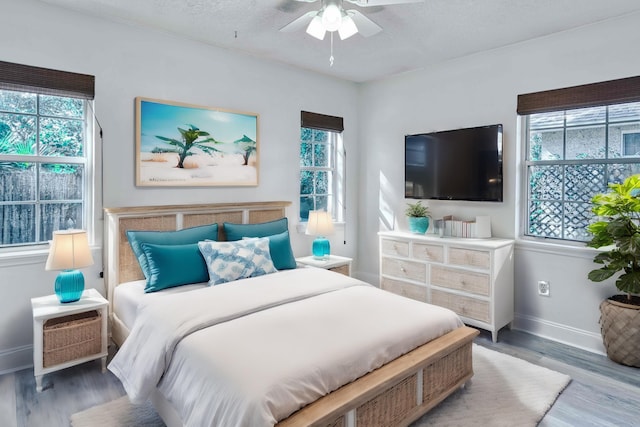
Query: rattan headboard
x=121, y=264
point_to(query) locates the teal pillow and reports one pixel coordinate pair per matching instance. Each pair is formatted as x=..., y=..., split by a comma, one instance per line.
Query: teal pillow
x=179, y=237
x=174, y=265
x=281, y=252
x=263, y=229
x=229, y=261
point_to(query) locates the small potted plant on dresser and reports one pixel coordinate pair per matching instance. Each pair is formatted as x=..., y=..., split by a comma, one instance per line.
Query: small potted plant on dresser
x=418, y=216
x=618, y=231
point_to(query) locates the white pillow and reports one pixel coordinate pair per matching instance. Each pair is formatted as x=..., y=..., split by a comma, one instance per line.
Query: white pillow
x=229, y=261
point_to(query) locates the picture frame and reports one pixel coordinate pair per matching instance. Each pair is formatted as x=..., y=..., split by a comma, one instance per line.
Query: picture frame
x=180, y=144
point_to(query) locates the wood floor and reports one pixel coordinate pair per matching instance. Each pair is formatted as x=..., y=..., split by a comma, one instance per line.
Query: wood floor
x=601, y=393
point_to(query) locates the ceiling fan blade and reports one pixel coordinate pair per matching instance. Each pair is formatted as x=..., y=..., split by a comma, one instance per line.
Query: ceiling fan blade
x=369, y=3
x=299, y=23
x=366, y=27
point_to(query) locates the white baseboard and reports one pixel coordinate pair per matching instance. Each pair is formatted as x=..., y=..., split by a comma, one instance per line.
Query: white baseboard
x=16, y=359
x=564, y=334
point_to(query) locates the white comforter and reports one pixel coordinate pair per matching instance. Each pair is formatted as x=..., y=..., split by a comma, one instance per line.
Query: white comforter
x=252, y=352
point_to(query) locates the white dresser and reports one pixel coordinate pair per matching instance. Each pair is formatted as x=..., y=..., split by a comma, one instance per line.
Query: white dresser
x=473, y=277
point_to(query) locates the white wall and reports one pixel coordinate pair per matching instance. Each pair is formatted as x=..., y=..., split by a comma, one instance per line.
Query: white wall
x=130, y=62
x=482, y=89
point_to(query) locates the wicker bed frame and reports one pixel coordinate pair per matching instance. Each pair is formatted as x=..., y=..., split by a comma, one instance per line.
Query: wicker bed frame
x=396, y=394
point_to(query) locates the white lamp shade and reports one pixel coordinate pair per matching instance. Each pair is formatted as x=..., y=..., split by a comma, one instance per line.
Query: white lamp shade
x=315, y=28
x=348, y=27
x=319, y=224
x=69, y=250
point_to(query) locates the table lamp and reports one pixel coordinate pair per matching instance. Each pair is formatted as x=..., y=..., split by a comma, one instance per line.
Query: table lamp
x=320, y=225
x=69, y=251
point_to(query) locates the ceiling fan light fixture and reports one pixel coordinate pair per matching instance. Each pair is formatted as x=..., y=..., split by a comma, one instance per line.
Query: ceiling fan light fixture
x=316, y=28
x=332, y=17
x=348, y=27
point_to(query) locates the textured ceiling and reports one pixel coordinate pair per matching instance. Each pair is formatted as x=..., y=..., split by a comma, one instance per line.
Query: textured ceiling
x=414, y=35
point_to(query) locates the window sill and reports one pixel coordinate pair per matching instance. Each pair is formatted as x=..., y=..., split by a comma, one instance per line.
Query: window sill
x=566, y=249
x=18, y=257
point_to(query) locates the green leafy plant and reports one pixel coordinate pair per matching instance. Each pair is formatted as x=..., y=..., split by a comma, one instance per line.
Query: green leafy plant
x=618, y=231
x=416, y=210
x=190, y=140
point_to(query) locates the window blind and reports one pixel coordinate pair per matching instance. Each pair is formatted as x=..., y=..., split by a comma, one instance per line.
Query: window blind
x=46, y=81
x=321, y=121
x=583, y=96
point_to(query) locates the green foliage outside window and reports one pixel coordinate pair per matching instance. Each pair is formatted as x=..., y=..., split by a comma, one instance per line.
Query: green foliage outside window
x=42, y=166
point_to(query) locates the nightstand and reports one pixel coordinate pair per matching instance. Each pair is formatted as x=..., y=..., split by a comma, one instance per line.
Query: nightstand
x=335, y=263
x=68, y=334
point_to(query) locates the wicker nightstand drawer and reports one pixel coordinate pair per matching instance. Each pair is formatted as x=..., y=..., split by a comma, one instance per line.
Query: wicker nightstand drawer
x=71, y=337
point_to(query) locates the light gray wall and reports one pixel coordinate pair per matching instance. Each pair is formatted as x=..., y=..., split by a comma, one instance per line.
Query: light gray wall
x=482, y=89
x=130, y=62
x=477, y=90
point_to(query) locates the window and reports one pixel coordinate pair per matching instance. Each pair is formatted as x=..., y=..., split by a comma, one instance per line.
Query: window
x=45, y=153
x=630, y=144
x=574, y=153
x=321, y=165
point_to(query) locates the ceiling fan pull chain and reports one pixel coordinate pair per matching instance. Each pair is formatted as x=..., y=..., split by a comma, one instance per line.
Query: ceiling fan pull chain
x=331, y=57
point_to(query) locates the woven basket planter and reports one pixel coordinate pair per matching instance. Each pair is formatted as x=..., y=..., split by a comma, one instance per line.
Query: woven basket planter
x=620, y=327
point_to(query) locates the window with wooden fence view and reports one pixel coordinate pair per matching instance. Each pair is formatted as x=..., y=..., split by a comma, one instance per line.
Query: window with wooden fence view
x=573, y=155
x=43, y=166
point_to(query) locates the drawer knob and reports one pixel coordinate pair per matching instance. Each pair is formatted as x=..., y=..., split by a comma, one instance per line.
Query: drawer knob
x=403, y=269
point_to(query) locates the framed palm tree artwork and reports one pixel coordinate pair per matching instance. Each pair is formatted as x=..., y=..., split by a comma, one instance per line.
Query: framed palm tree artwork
x=188, y=145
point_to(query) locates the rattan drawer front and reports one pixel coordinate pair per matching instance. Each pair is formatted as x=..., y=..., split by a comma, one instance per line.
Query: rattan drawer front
x=344, y=269
x=477, y=283
x=470, y=257
x=464, y=306
x=394, y=247
x=408, y=290
x=425, y=252
x=404, y=269
x=71, y=337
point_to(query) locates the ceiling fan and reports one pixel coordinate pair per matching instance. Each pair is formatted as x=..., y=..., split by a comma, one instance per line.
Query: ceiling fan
x=333, y=17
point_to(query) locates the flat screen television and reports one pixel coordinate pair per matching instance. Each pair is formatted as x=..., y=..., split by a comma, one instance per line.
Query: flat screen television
x=461, y=164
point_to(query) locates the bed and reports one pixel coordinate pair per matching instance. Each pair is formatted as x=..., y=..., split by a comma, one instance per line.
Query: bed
x=395, y=388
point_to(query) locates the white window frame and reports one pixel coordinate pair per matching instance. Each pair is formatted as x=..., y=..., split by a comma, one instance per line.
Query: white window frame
x=622, y=142
x=526, y=193
x=336, y=172
x=88, y=162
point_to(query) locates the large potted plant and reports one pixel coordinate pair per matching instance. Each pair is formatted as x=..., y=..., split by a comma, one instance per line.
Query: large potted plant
x=418, y=216
x=618, y=232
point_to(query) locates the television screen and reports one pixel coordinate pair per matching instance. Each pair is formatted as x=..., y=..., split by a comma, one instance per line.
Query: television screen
x=461, y=164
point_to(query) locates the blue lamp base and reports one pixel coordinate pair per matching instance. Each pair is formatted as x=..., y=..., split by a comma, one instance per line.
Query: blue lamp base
x=69, y=285
x=321, y=248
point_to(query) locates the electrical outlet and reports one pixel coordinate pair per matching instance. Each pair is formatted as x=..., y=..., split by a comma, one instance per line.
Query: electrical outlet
x=543, y=288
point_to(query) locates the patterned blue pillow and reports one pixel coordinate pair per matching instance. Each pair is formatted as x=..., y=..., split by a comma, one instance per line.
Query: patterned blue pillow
x=228, y=261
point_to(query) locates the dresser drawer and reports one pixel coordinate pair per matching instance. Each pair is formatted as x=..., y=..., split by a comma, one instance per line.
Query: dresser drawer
x=463, y=306
x=477, y=283
x=404, y=269
x=426, y=252
x=394, y=247
x=470, y=257
x=405, y=289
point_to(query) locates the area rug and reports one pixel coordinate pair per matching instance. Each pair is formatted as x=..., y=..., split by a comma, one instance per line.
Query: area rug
x=504, y=391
